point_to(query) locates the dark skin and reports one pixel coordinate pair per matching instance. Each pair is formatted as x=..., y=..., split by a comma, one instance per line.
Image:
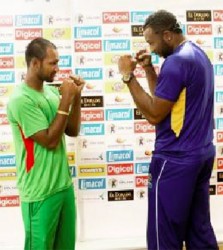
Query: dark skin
x=154, y=109
x=45, y=70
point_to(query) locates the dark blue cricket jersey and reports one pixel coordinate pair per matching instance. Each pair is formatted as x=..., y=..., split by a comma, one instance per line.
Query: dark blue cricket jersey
x=186, y=78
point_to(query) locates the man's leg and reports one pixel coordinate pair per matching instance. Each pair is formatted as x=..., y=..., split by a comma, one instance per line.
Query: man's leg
x=66, y=232
x=41, y=221
x=170, y=197
x=200, y=232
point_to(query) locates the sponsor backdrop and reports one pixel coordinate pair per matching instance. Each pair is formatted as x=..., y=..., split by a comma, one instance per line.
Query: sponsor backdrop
x=110, y=159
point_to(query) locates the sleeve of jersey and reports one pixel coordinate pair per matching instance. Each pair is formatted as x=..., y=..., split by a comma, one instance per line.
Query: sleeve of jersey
x=170, y=80
x=29, y=116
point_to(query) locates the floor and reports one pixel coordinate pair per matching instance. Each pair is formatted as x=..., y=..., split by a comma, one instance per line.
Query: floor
x=114, y=245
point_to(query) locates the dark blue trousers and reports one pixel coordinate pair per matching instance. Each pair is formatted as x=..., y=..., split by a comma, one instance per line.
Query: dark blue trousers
x=178, y=208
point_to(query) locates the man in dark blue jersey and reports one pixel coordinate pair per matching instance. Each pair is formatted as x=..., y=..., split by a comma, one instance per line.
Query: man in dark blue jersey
x=180, y=105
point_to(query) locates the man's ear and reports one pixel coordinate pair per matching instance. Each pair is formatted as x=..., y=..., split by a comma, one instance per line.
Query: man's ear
x=35, y=62
x=167, y=36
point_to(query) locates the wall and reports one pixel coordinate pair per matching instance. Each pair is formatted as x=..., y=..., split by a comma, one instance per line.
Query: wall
x=111, y=191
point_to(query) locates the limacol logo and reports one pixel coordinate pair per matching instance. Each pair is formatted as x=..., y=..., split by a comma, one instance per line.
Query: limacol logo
x=65, y=61
x=119, y=155
x=90, y=74
x=116, y=45
x=139, y=16
x=92, y=129
x=28, y=20
x=7, y=76
x=6, y=48
x=94, y=183
x=118, y=114
x=87, y=32
x=7, y=161
x=218, y=42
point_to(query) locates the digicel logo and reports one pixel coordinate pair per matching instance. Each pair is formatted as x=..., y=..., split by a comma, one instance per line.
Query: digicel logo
x=9, y=201
x=219, y=136
x=6, y=21
x=6, y=62
x=115, y=17
x=87, y=46
x=139, y=72
x=199, y=29
x=143, y=127
x=218, y=15
x=63, y=74
x=220, y=189
x=3, y=119
x=141, y=181
x=220, y=163
x=92, y=115
x=118, y=169
x=27, y=34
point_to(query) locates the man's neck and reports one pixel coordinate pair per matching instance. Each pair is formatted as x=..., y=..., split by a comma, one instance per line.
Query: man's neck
x=34, y=83
x=179, y=41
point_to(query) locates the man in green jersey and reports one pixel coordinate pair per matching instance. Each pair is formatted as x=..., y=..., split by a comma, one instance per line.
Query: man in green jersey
x=39, y=118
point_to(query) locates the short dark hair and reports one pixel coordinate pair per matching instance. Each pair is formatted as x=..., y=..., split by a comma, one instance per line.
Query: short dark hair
x=162, y=20
x=37, y=48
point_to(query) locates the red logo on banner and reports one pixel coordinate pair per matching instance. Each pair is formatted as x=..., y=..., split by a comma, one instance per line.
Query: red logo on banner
x=220, y=189
x=115, y=17
x=6, y=62
x=199, y=29
x=139, y=72
x=3, y=119
x=28, y=34
x=143, y=127
x=219, y=136
x=141, y=181
x=9, y=201
x=218, y=15
x=62, y=74
x=220, y=163
x=87, y=46
x=92, y=115
x=119, y=169
x=6, y=21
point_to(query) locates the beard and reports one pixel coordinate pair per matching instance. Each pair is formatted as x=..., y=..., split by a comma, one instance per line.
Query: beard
x=46, y=77
x=166, y=50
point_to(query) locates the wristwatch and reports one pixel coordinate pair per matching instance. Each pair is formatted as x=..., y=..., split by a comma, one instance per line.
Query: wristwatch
x=128, y=77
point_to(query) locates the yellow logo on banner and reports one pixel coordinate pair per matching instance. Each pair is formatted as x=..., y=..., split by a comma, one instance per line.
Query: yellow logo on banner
x=210, y=55
x=92, y=170
x=7, y=174
x=215, y=164
x=139, y=44
x=6, y=90
x=111, y=58
x=20, y=62
x=115, y=86
x=71, y=158
x=7, y=148
x=57, y=33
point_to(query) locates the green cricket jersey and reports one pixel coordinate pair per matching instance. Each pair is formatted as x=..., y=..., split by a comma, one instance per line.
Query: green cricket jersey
x=40, y=172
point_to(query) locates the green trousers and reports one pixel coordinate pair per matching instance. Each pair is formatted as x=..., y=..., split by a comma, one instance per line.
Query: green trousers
x=50, y=224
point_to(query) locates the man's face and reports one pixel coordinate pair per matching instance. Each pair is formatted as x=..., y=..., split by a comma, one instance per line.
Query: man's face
x=49, y=66
x=157, y=43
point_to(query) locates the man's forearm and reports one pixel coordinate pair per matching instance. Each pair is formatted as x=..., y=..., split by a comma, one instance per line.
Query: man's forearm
x=74, y=119
x=151, y=77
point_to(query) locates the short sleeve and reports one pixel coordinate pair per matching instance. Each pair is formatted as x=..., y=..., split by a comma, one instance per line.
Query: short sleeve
x=25, y=112
x=170, y=80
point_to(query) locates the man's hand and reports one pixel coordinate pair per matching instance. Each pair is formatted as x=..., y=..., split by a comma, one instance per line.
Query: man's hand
x=143, y=58
x=78, y=81
x=126, y=64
